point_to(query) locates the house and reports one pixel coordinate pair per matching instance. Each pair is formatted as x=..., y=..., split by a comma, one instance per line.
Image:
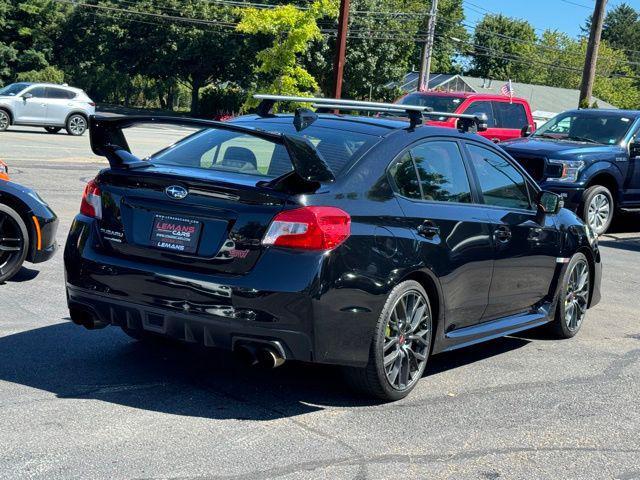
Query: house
x=546, y=102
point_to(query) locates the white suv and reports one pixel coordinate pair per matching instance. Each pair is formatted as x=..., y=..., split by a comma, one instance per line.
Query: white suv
x=45, y=105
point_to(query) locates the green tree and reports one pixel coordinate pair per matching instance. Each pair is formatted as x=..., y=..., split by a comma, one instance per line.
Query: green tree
x=498, y=43
x=292, y=30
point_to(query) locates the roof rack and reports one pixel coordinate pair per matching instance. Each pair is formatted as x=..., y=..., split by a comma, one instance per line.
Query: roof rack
x=415, y=113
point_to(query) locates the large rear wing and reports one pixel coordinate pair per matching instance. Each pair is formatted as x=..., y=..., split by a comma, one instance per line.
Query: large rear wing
x=108, y=140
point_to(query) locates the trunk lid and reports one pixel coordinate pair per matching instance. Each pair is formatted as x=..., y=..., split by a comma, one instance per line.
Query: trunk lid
x=217, y=226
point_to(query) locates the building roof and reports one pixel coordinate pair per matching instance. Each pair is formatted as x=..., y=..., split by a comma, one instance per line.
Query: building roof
x=544, y=100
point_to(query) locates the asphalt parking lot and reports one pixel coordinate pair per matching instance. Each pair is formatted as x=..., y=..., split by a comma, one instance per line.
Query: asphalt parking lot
x=81, y=404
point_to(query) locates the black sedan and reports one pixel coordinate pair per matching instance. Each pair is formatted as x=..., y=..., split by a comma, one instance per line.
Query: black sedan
x=357, y=241
x=27, y=226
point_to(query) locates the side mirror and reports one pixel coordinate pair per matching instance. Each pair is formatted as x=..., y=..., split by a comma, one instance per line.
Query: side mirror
x=526, y=131
x=549, y=203
x=27, y=96
x=634, y=150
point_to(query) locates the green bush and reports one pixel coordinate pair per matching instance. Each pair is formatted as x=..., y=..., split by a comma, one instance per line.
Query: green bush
x=221, y=101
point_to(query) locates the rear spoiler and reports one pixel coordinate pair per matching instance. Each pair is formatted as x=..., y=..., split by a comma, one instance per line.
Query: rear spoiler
x=108, y=140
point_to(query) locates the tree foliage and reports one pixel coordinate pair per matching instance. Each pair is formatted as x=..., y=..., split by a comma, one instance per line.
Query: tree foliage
x=292, y=30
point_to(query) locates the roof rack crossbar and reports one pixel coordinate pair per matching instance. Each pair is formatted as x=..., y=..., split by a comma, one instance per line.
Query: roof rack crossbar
x=413, y=112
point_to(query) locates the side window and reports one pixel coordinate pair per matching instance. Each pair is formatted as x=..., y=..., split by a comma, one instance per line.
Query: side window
x=510, y=115
x=441, y=172
x=37, y=92
x=482, y=107
x=501, y=184
x=58, y=93
x=405, y=178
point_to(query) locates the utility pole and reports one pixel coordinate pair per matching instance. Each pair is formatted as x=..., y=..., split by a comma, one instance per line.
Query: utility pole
x=589, y=72
x=341, y=47
x=425, y=67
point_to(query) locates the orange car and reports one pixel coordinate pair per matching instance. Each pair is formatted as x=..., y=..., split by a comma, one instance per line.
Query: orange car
x=27, y=226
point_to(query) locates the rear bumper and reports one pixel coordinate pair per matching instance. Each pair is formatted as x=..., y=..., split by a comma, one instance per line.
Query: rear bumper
x=289, y=297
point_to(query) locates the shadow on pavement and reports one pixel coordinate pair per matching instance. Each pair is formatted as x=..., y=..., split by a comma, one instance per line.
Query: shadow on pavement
x=24, y=275
x=72, y=362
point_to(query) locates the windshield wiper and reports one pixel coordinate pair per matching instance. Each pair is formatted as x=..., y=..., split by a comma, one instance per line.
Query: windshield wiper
x=581, y=139
x=545, y=135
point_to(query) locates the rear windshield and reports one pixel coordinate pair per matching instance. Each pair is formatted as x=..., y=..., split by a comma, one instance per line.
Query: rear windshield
x=438, y=103
x=215, y=149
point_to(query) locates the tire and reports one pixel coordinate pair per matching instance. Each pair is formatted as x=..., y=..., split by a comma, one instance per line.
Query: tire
x=53, y=130
x=5, y=120
x=598, y=208
x=14, y=242
x=76, y=125
x=408, y=352
x=575, y=290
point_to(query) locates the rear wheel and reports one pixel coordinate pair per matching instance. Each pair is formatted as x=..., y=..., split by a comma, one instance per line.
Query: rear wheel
x=400, y=347
x=5, y=120
x=573, y=299
x=14, y=242
x=76, y=125
x=53, y=129
x=598, y=208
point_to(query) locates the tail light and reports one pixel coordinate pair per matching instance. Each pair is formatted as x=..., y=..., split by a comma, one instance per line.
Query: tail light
x=4, y=171
x=91, y=204
x=309, y=228
x=93, y=104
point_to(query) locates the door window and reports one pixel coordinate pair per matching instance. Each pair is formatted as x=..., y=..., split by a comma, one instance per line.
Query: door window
x=405, y=178
x=59, y=93
x=477, y=108
x=37, y=92
x=441, y=172
x=500, y=182
x=510, y=115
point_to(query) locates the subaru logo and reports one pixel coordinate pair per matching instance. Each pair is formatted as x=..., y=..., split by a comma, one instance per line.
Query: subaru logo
x=176, y=191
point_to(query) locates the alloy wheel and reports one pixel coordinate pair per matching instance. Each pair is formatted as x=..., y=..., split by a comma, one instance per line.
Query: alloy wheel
x=407, y=340
x=4, y=120
x=599, y=212
x=12, y=243
x=77, y=125
x=577, y=297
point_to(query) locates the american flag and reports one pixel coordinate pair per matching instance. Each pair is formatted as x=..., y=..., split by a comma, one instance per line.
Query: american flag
x=507, y=89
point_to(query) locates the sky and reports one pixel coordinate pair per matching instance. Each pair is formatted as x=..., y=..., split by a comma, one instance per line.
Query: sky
x=564, y=15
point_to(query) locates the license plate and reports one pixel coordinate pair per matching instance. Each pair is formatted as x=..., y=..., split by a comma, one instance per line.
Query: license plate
x=175, y=233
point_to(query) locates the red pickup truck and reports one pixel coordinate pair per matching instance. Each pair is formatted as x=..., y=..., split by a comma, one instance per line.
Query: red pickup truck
x=507, y=118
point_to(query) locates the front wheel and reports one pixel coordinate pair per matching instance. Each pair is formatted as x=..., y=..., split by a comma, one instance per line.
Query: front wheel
x=76, y=125
x=5, y=121
x=14, y=242
x=573, y=299
x=598, y=208
x=400, y=346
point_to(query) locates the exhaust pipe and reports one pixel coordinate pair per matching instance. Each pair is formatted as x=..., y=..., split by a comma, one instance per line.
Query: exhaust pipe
x=85, y=318
x=246, y=354
x=270, y=358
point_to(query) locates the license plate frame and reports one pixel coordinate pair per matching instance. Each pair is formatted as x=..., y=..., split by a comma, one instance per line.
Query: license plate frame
x=175, y=234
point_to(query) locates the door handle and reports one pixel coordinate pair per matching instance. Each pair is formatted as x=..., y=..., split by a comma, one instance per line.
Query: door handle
x=502, y=234
x=428, y=229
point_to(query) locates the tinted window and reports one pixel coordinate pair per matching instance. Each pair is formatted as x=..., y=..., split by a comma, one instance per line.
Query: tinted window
x=242, y=153
x=37, y=92
x=500, y=182
x=13, y=89
x=59, y=93
x=482, y=107
x=405, y=178
x=587, y=126
x=510, y=115
x=440, y=103
x=441, y=172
